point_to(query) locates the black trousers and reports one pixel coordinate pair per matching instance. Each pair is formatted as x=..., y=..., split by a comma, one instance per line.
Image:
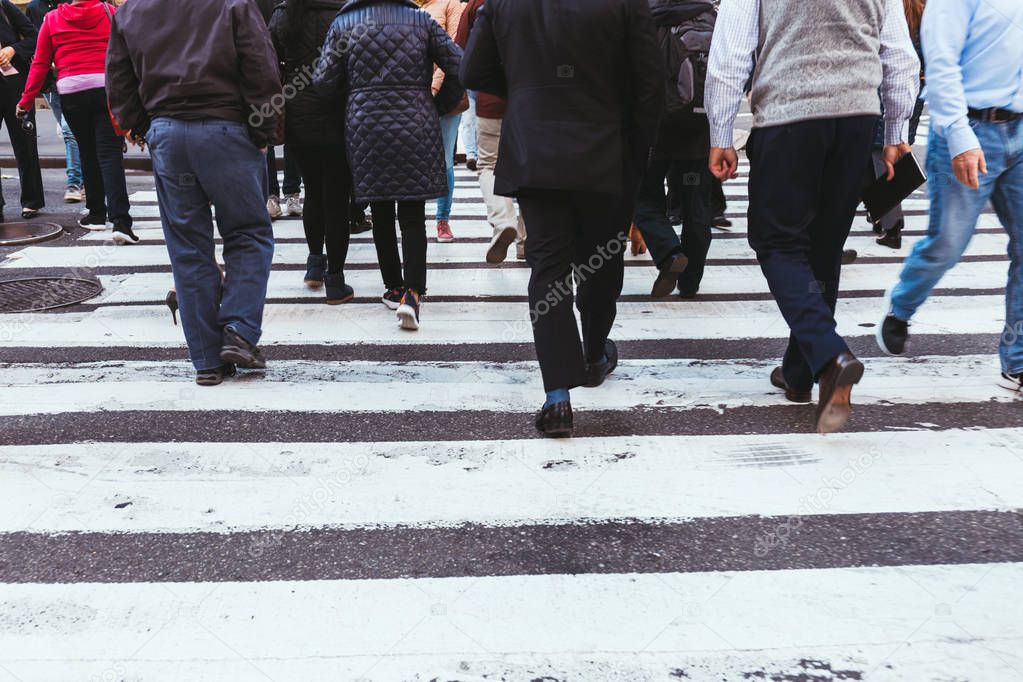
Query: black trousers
x=694, y=189
x=804, y=187
x=292, y=172
x=106, y=192
x=411, y=216
x=327, y=195
x=573, y=237
x=24, y=146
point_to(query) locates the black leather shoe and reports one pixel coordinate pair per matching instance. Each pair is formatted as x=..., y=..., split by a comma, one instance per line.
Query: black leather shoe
x=892, y=239
x=595, y=374
x=555, y=420
x=791, y=394
x=238, y=351
x=849, y=256
x=836, y=382
x=667, y=278
x=215, y=376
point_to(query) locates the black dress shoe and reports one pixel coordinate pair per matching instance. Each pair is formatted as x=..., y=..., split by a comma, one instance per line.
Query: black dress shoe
x=721, y=221
x=237, y=351
x=892, y=239
x=596, y=373
x=667, y=278
x=791, y=394
x=555, y=420
x=836, y=382
x=849, y=256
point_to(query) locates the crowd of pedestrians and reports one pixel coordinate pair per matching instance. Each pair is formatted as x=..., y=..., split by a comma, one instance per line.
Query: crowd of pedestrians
x=589, y=124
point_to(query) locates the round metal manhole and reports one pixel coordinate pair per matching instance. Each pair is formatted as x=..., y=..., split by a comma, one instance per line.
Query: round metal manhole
x=30, y=295
x=15, y=234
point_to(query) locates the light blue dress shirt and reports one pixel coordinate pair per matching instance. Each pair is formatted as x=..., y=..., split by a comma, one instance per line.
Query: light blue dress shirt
x=973, y=58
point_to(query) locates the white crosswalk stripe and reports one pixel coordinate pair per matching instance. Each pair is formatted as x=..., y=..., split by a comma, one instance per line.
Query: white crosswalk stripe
x=376, y=507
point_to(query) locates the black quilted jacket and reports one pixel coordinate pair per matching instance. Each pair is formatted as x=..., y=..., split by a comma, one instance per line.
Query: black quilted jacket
x=310, y=117
x=380, y=55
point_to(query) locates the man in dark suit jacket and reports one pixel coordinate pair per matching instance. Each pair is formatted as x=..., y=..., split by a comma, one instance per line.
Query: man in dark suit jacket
x=583, y=85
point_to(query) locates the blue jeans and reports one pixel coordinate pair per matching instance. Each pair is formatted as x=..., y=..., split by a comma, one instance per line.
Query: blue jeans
x=196, y=163
x=449, y=134
x=468, y=129
x=72, y=160
x=955, y=209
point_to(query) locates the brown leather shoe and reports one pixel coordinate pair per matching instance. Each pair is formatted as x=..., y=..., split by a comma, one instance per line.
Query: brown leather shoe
x=836, y=382
x=791, y=394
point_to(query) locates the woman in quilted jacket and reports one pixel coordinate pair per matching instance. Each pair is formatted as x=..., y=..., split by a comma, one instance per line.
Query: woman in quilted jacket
x=380, y=55
x=314, y=131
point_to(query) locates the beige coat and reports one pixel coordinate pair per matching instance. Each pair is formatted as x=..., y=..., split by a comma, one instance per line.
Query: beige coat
x=446, y=13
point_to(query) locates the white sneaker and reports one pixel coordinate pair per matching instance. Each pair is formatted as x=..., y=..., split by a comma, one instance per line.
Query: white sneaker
x=1012, y=382
x=293, y=204
x=273, y=207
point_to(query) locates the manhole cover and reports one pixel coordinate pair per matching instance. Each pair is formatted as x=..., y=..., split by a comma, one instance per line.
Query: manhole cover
x=31, y=295
x=13, y=234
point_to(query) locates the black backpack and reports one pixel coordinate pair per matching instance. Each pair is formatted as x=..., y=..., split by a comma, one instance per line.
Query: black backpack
x=686, y=28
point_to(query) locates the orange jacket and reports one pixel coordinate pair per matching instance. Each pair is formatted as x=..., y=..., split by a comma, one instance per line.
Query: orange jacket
x=447, y=13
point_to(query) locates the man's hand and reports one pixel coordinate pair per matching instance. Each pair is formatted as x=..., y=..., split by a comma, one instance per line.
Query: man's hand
x=891, y=155
x=724, y=163
x=967, y=167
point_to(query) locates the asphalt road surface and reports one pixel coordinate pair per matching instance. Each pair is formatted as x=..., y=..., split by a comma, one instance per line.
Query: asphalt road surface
x=377, y=505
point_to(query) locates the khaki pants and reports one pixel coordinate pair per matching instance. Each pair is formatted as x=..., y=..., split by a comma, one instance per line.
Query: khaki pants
x=501, y=211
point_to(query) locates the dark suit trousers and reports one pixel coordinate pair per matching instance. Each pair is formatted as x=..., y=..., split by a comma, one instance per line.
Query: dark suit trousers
x=804, y=187
x=580, y=237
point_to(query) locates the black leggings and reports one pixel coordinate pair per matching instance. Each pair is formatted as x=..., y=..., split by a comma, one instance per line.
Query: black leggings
x=106, y=191
x=327, y=189
x=412, y=218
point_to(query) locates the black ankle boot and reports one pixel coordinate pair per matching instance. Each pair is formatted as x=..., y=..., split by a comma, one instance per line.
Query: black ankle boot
x=337, y=291
x=314, y=270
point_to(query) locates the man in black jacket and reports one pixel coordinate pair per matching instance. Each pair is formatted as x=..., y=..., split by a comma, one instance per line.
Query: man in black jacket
x=582, y=83
x=208, y=113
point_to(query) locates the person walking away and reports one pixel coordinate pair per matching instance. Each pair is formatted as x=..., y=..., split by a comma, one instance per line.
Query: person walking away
x=890, y=225
x=446, y=13
x=74, y=38
x=684, y=28
x=208, y=147
x=73, y=194
x=467, y=131
x=584, y=90
x=17, y=43
x=973, y=52
x=502, y=215
x=378, y=57
x=314, y=136
x=814, y=102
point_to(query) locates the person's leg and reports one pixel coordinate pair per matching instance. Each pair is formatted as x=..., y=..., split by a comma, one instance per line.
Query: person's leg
x=24, y=147
x=336, y=193
x=188, y=231
x=697, y=215
x=72, y=160
x=890, y=224
x=449, y=135
x=232, y=170
x=1008, y=202
x=651, y=216
x=954, y=210
x=599, y=268
x=109, y=151
x=785, y=186
x=292, y=173
x=468, y=129
x=501, y=213
x=385, y=240
x=80, y=116
x=550, y=251
x=311, y=162
x=273, y=184
x=412, y=219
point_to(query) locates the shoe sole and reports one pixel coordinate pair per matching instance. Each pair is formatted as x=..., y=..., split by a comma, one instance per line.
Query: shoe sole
x=407, y=318
x=793, y=396
x=312, y=283
x=667, y=280
x=558, y=432
x=879, y=332
x=390, y=305
x=122, y=239
x=339, y=301
x=241, y=358
x=833, y=416
x=498, y=251
x=95, y=228
x=445, y=240
x=1010, y=385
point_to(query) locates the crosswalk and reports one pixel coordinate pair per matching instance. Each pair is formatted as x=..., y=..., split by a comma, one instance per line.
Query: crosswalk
x=377, y=506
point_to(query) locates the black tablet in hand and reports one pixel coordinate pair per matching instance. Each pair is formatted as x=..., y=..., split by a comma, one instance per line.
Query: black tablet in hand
x=882, y=196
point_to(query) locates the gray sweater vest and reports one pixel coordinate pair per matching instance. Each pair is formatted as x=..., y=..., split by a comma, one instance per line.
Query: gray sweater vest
x=817, y=59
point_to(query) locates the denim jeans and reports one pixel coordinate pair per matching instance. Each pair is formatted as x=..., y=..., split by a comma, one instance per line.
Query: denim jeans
x=468, y=128
x=955, y=209
x=292, y=173
x=196, y=163
x=72, y=161
x=449, y=133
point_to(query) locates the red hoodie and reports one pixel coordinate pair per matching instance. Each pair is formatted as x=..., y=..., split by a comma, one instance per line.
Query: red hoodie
x=73, y=37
